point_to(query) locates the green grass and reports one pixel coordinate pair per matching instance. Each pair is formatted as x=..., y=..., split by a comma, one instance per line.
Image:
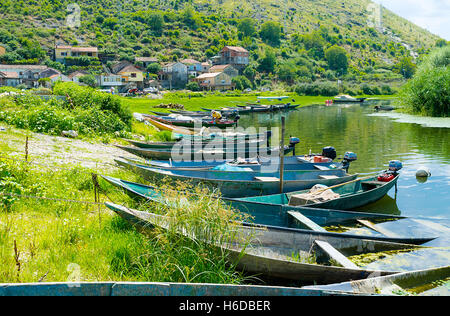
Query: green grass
x=44, y=240
x=145, y=105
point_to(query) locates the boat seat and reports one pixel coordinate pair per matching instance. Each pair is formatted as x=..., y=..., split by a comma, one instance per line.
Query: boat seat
x=328, y=177
x=321, y=167
x=267, y=179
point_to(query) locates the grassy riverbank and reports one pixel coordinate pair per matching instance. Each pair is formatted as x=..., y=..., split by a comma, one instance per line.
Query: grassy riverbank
x=48, y=232
x=197, y=101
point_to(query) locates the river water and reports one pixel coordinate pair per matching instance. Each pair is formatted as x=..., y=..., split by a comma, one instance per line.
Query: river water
x=377, y=138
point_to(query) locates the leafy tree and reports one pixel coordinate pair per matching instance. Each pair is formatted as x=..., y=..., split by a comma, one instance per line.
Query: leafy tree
x=314, y=43
x=156, y=23
x=246, y=27
x=337, y=58
x=241, y=82
x=405, y=67
x=287, y=72
x=193, y=86
x=89, y=80
x=271, y=33
x=154, y=68
x=267, y=62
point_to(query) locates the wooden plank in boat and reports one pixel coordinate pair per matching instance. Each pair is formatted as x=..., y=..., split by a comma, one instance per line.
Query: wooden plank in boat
x=336, y=255
x=381, y=230
x=327, y=177
x=321, y=167
x=267, y=179
x=305, y=221
x=374, y=182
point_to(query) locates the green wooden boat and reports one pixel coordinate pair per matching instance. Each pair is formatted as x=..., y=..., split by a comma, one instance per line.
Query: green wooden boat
x=427, y=282
x=315, y=219
x=243, y=183
x=282, y=252
x=351, y=196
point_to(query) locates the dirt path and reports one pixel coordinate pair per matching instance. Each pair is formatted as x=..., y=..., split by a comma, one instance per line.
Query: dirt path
x=58, y=150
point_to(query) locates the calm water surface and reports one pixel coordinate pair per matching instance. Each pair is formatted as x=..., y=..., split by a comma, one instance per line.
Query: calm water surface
x=378, y=138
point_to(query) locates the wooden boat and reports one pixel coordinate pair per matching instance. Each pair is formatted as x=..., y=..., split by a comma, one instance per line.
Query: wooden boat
x=191, y=123
x=311, y=219
x=171, y=128
x=347, y=99
x=352, y=195
x=184, y=152
x=199, y=144
x=419, y=282
x=258, y=164
x=238, y=184
x=113, y=288
x=278, y=252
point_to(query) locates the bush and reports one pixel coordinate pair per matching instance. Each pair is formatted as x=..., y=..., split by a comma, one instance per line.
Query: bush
x=315, y=89
x=428, y=92
x=193, y=86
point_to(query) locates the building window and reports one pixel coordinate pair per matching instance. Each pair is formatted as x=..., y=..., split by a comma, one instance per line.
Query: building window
x=133, y=75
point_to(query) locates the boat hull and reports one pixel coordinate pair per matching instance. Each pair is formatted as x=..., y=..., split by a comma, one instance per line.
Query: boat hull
x=237, y=187
x=270, y=250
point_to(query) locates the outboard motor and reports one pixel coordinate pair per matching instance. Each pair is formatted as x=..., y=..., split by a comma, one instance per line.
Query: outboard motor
x=348, y=158
x=329, y=152
x=392, y=172
x=292, y=142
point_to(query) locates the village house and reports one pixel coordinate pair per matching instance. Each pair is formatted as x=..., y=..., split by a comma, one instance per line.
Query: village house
x=9, y=78
x=64, y=51
x=132, y=76
x=108, y=81
x=194, y=67
x=235, y=56
x=214, y=81
x=76, y=75
x=205, y=66
x=173, y=75
x=228, y=69
x=146, y=61
x=26, y=74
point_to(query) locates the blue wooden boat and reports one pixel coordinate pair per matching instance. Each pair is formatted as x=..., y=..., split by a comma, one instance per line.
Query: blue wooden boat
x=312, y=219
x=352, y=195
x=282, y=252
x=291, y=163
x=239, y=183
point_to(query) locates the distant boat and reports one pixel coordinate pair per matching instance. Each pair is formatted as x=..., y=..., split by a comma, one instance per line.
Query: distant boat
x=281, y=252
x=344, y=98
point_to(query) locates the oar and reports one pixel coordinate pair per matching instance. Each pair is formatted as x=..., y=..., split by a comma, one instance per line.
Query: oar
x=340, y=184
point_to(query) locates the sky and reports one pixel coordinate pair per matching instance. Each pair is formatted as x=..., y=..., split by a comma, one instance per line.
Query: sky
x=433, y=15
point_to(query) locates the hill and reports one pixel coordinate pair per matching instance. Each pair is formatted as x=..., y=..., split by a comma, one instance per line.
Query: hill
x=291, y=48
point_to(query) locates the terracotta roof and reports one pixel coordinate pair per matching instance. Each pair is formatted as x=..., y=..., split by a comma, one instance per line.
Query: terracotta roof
x=189, y=61
x=208, y=75
x=237, y=49
x=78, y=48
x=219, y=68
x=24, y=67
x=76, y=73
x=130, y=68
x=9, y=74
x=147, y=59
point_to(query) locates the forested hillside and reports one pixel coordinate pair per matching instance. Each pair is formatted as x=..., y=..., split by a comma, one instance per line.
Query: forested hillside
x=289, y=41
